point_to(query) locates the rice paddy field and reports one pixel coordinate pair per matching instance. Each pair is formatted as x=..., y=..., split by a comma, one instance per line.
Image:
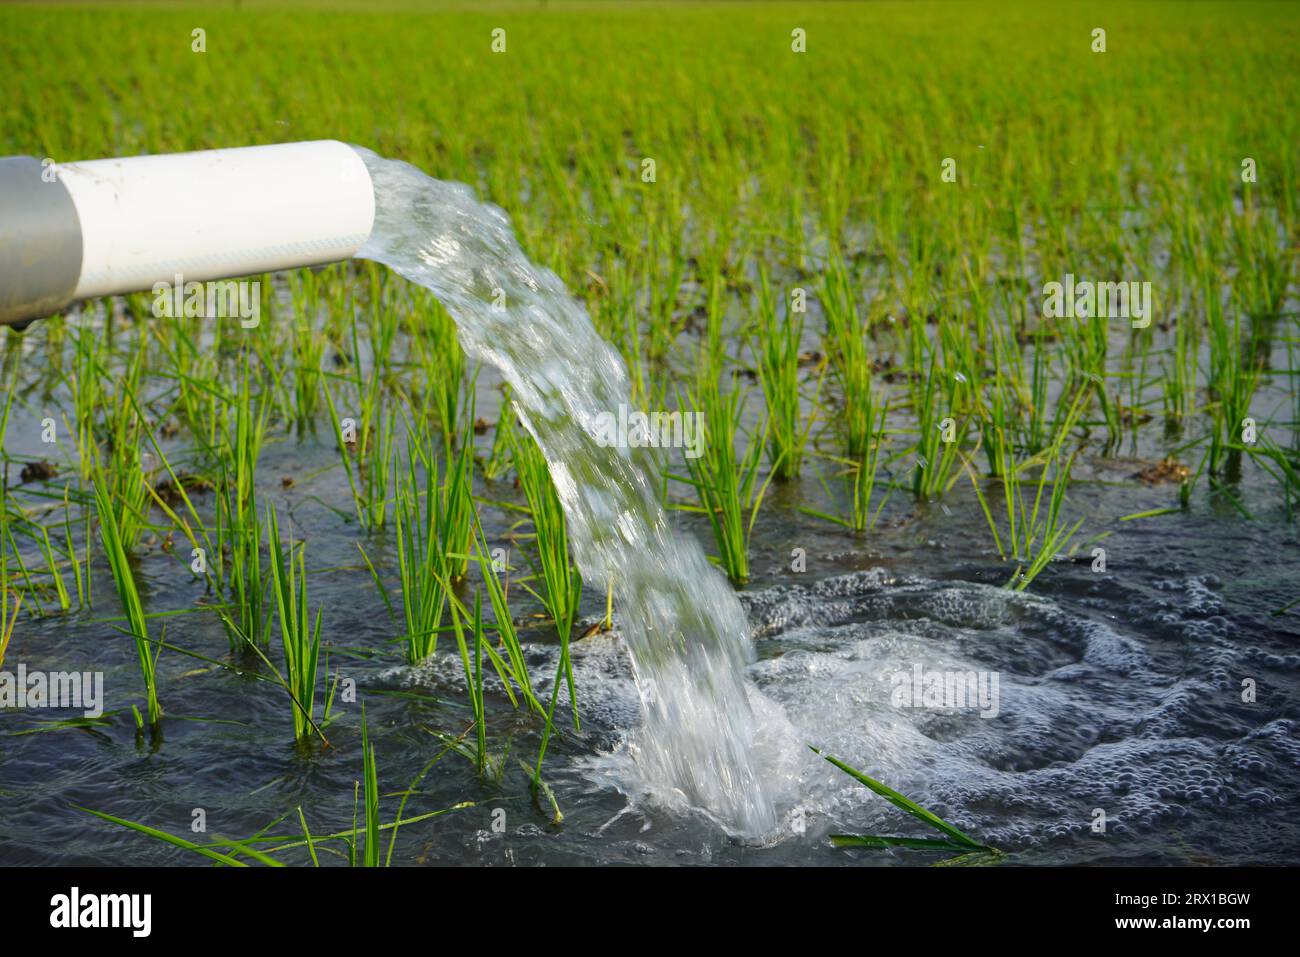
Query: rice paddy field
x=323, y=570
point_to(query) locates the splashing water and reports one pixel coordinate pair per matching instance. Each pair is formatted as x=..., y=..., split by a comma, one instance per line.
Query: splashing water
x=684, y=627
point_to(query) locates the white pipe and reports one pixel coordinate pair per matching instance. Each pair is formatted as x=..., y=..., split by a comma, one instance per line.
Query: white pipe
x=214, y=214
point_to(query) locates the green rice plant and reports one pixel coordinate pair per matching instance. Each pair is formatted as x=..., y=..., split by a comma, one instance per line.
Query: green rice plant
x=846, y=348
x=196, y=371
x=307, y=346
x=513, y=668
x=370, y=790
x=232, y=545
x=84, y=386
x=37, y=582
x=127, y=431
x=662, y=273
x=202, y=850
x=953, y=839
x=124, y=578
x=379, y=464
x=433, y=525
x=1284, y=466
x=498, y=461
x=29, y=584
x=1264, y=264
x=865, y=470
x=940, y=433
x=299, y=637
x=1234, y=377
x=473, y=673
x=1036, y=431
x=1179, y=379
x=47, y=550
x=1085, y=347
x=1036, y=532
x=561, y=591
x=437, y=351
x=237, y=559
x=8, y=616
x=777, y=343
x=995, y=422
x=370, y=441
x=1293, y=372
x=728, y=488
x=368, y=372
x=617, y=318
x=56, y=555
x=1037, y=536
x=80, y=568
x=421, y=558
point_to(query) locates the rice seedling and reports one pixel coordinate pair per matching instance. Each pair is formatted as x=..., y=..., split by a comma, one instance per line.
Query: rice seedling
x=498, y=461
x=728, y=487
x=84, y=386
x=80, y=567
x=1284, y=466
x=371, y=443
x=47, y=550
x=442, y=363
x=124, y=470
x=432, y=528
x=941, y=430
x=777, y=343
x=473, y=664
x=865, y=470
x=458, y=508
x=1036, y=531
x=299, y=637
x=238, y=542
x=513, y=669
x=846, y=346
x=8, y=616
x=137, y=626
x=165, y=837
x=30, y=586
x=561, y=585
x=1264, y=266
x=1233, y=379
x=196, y=372
x=370, y=790
x=307, y=346
x=953, y=839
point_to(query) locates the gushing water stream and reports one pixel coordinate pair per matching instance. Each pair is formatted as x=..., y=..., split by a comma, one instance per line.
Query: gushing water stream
x=684, y=628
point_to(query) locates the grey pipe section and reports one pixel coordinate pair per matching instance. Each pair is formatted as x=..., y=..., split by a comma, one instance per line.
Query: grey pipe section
x=40, y=242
